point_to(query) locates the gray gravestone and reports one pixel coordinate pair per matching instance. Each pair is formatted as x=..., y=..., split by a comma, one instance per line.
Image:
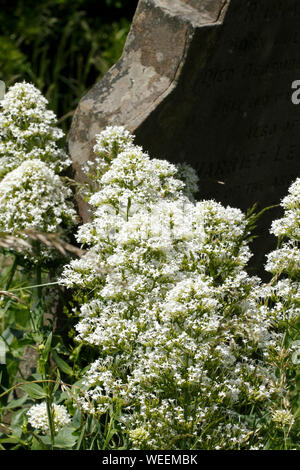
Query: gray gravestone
x=207, y=82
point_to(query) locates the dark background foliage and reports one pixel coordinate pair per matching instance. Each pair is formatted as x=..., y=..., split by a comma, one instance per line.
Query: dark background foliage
x=62, y=46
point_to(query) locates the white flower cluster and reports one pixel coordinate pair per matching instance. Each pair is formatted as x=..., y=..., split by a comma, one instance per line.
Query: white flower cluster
x=286, y=259
x=283, y=418
x=182, y=341
x=282, y=295
x=134, y=180
x=28, y=131
x=38, y=417
x=32, y=195
x=112, y=141
x=289, y=224
x=284, y=262
x=131, y=173
x=109, y=143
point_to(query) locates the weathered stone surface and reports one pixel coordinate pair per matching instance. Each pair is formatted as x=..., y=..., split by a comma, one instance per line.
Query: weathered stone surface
x=148, y=72
x=208, y=82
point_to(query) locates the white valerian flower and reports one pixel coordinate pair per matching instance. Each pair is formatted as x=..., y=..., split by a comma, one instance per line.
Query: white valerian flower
x=283, y=417
x=289, y=224
x=285, y=259
x=133, y=180
x=111, y=144
x=112, y=141
x=182, y=333
x=28, y=130
x=33, y=197
x=38, y=417
x=139, y=437
x=283, y=294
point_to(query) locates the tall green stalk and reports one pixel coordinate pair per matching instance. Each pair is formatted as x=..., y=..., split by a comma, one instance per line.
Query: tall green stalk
x=12, y=272
x=39, y=296
x=50, y=419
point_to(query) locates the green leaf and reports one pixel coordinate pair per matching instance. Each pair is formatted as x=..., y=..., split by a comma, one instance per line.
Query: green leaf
x=65, y=438
x=37, y=445
x=108, y=438
x=46, y=350
x=44, y=355
x=62, y=364
x=10, y=440
x=15, y=403
x=80, y=440
x=57, y=382
x=35, y=391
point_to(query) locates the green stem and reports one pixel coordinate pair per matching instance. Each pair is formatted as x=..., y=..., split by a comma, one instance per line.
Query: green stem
x=39, y=282
x=128, y=208
x=32, y=320
x=12, y=273
x=50, y=419
x=35, y=286
x=39, y=299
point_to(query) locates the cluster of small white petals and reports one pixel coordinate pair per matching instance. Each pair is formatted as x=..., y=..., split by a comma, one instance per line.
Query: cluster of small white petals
x=292, y=199
x=282, y=295
x=139, y=437
x=28, y=130
x=182, y=337
x=133, y=181
x=38, y=417
x=112, y=141
x=33, y=197
x=132, y=175
x=285, y=260
x=283, y=417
